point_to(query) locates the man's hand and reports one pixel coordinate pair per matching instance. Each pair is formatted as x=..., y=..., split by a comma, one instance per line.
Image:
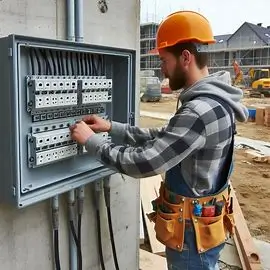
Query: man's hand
x=97, y=124
x=81, y=132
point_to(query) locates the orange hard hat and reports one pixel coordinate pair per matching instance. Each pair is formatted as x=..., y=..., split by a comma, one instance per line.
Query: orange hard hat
x=184, y=26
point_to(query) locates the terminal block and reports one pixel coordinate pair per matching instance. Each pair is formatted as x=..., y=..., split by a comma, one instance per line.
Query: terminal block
x=51, y=92
x=50, y=143
x=57, y=154
x=96, y=89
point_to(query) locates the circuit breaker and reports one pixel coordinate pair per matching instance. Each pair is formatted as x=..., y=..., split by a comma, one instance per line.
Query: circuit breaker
x=46, y=86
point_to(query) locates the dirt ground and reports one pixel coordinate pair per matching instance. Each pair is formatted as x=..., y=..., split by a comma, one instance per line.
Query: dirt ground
x=251, y=181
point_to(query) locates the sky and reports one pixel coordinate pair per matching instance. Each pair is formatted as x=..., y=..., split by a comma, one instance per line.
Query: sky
x=225, y=16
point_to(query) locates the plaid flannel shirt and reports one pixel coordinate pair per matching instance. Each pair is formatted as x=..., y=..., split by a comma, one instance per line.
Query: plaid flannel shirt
x=198, y=136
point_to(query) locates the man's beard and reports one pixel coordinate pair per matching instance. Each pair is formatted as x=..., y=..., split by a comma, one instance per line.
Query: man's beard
x=178, y=80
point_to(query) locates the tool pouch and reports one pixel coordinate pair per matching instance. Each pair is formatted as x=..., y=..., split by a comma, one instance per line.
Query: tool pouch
x=209, y=232
x=169, y=225
x=213, y=231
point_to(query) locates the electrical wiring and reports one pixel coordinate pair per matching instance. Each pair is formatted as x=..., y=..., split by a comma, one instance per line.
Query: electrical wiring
x=53, y=62
x=79, y=251
x=89, y=64
x=72, y=65
x=56, y=250
x=67, y=63
x=55, y=225
x=80, y=230
x=112, y=238
x=97, y=61
x=100, y=64
x=32, y=61
x=97, y=200
x=81, y=62
x=58, y=63
x=47, y=63
x=38, y=61
x=100, y=252
x=78, y=64
x=71, y=209
x=80, y=211
x=107, y=192
x=62, y=63
x=85, y=64
x=103, y=67
x=94, y=64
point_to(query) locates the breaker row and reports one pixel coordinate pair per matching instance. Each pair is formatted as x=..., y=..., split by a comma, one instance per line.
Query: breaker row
x=53, y=146
x=71, y=99
x=45, y=93
x=52, y=83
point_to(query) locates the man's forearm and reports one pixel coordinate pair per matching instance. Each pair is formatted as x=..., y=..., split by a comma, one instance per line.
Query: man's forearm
x=132, y=135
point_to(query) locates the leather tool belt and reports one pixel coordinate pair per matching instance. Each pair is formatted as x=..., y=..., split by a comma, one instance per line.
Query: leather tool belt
x=211, y=216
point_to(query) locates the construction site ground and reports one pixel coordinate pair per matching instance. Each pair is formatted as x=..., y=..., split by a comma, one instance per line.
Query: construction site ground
x=251, y=181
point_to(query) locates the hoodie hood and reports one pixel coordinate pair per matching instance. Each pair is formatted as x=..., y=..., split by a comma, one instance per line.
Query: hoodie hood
x=218, y=84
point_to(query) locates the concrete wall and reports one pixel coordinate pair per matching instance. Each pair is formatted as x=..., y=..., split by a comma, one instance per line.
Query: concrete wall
x=25, y=235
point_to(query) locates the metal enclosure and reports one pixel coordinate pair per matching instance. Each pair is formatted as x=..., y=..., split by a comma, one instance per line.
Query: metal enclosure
x=47, y=85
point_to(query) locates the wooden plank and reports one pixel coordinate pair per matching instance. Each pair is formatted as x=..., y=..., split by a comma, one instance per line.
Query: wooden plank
x=148, y=193
x=245, y=246
x=239, y=251
x=149, y=261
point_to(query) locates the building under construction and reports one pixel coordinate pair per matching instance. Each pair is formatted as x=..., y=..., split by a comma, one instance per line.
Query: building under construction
x=249, y=45
x=149, y=60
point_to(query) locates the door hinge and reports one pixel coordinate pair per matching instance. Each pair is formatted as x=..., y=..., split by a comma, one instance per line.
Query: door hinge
x=10, y=53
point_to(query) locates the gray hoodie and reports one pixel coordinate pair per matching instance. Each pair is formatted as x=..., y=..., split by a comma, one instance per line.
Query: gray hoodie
x=218, y=84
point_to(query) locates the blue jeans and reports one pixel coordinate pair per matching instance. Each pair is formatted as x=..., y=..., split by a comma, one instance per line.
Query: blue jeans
x=189, y=258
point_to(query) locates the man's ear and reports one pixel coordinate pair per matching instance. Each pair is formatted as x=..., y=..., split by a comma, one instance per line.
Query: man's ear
x=186, y=57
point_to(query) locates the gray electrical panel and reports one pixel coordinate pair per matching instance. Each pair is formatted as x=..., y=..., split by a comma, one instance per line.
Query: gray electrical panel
x=47, y=85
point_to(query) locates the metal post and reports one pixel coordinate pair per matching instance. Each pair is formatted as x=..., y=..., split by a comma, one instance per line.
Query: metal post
x=79, y=20
x=70, y=20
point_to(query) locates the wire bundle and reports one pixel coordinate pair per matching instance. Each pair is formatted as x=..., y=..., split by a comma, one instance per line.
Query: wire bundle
x=54, y=62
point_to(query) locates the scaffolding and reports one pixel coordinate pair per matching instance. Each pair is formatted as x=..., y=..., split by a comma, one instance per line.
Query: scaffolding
x=252, y=57
x=149, y=61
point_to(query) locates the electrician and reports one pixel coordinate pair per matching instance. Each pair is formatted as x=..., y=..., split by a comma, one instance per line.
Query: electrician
x=193, y=213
